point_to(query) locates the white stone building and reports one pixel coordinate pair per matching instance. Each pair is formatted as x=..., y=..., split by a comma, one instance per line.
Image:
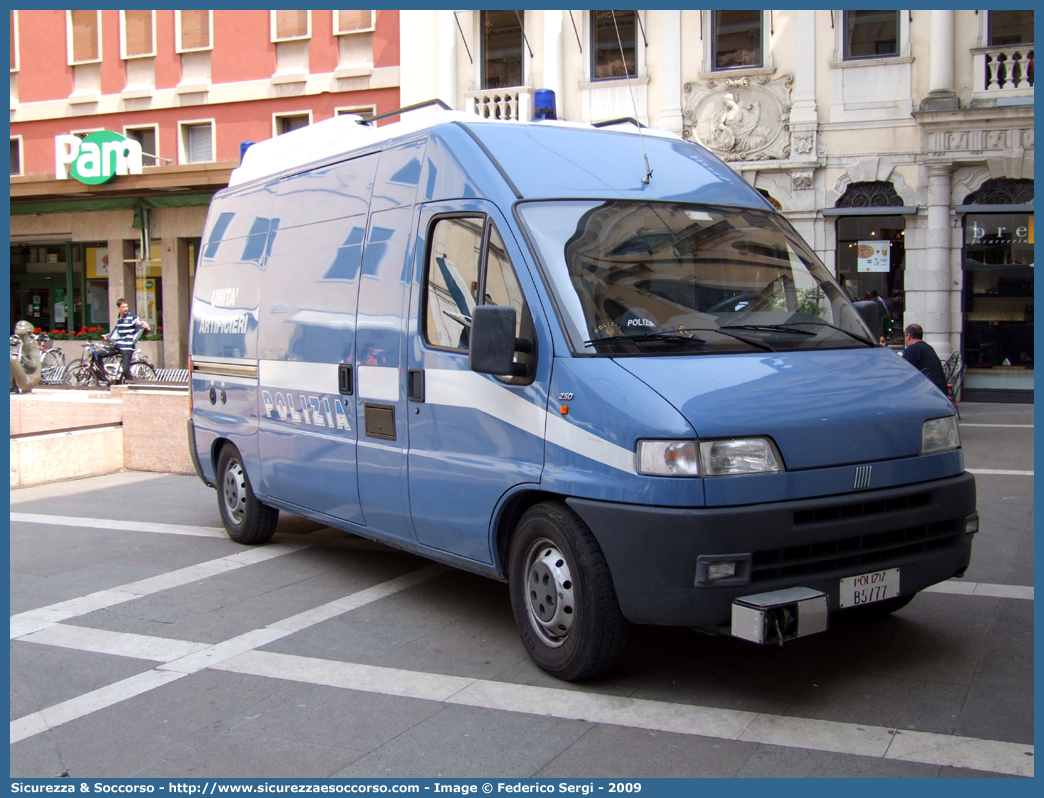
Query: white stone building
x=909, y=128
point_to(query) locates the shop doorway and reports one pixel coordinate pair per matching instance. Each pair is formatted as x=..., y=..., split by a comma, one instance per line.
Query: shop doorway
x=871, y=260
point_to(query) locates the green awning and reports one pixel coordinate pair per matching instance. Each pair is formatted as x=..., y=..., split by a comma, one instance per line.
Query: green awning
x=110, y=204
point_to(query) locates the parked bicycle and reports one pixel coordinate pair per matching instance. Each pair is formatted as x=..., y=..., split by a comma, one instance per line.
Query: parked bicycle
x=52, y=359
x=101, y=364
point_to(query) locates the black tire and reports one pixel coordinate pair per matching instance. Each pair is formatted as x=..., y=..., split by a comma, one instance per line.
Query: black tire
x=143, y=371
x=246, y=519
x=575, y=630
x=82, y=375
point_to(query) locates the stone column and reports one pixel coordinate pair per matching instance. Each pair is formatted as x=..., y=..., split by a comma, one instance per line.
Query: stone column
x=671, y=80
x=174, y=263
x=553, y=59
x=122, y=283
x=941, y=96
x=804, y=117
x=933, y=281
x=447, y=59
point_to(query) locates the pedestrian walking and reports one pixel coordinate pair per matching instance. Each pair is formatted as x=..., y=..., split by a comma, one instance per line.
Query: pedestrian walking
x=922, y=357
x=124, y=335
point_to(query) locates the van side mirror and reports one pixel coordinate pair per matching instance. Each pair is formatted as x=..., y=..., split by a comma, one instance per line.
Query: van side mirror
x=492, y=343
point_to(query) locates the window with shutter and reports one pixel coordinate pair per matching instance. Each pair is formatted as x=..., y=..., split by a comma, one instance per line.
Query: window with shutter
x=198, y=143
x=83, y=30
x=291, y=25
x=14, y=42
x=195, y=30
x=137, y=33
x=352, y=21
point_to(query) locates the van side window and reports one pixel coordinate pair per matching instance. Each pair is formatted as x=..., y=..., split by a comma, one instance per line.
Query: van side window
x=500, y=287
x=452, y=280
x=501, y=284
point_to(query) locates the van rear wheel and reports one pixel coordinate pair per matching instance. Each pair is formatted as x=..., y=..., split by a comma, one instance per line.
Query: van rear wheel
x=562, y=595
x=246, y=519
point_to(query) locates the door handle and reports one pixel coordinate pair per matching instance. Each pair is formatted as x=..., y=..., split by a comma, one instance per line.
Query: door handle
x=344, y=379
x=415, y=385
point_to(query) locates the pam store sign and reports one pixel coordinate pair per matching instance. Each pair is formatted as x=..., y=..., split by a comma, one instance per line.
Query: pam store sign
x=97, y=158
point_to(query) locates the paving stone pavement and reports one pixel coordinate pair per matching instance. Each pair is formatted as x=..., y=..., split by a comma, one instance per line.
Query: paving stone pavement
x=146, y=643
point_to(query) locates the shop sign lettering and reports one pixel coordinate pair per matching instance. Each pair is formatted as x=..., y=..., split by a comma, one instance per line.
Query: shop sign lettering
x=977, y=232
x=97, y=158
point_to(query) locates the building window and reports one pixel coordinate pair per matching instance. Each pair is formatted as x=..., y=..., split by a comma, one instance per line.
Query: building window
x=363, y=111
x=736, y=37
x=83, y=36
x=197, y=142
x=1010, y=27
x=353, y=22
x=146, y=137
x=14, y=41
x=137, y=33
x=16, y=155
x=998, y=288
x=871, y=34
x=291, y=25
x=610, y=30
x=502, y=44
x=193, y=30
x=284, y=123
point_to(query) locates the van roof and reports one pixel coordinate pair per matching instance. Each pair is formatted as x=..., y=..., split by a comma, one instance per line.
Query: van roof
x=344, y=134
x=547, y=159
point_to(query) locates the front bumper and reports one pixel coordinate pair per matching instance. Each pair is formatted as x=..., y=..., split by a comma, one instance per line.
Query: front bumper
x=652, y=552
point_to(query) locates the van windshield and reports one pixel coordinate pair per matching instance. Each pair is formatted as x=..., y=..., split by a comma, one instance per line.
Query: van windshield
x=649, y=278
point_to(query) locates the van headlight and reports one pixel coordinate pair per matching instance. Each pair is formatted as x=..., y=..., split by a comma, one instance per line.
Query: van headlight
x=940, y=435
x=739, y=456
x=668, y=458
x=708, y=458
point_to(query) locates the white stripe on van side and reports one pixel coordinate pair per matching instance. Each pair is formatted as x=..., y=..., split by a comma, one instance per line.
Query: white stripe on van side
x=379, y=382
x=569, y=436
x=294, y=375
x=468, y=389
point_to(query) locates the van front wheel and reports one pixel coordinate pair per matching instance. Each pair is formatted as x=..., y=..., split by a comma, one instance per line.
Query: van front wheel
x=246, y=519
x=562, y=595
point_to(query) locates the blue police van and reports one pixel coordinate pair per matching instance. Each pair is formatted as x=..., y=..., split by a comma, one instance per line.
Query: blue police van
x=594, y=363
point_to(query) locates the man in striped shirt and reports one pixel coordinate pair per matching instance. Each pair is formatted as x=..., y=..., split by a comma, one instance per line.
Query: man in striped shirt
x=123, y=335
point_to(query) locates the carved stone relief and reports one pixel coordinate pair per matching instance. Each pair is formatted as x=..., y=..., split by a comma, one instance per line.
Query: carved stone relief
x=949, y=141
x=803, y=143
x=802, y=179
x=741, y=119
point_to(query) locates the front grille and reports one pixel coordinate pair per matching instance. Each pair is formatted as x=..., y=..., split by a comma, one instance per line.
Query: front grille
x=840, y=512
x=865, y=550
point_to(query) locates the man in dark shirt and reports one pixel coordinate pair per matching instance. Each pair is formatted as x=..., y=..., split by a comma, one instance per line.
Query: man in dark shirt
x=922, y=357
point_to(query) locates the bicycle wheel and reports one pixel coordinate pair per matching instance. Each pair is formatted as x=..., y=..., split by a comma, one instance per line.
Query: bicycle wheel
x=51, y=365
x=143, y=370
x=81, y=375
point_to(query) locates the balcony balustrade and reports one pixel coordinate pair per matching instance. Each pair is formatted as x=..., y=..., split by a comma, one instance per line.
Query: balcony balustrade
x=510, y=102
x=1004, y=70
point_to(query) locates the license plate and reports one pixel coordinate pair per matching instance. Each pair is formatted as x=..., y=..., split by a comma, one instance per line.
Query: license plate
x=868, y=588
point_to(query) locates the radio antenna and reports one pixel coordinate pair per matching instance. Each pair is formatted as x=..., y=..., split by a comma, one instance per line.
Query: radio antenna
x=627, y=74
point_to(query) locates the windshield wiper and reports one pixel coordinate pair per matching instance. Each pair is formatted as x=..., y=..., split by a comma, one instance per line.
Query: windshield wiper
x=675, y=337
x=767, y=328
x=671, y=337
x=859, y=338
